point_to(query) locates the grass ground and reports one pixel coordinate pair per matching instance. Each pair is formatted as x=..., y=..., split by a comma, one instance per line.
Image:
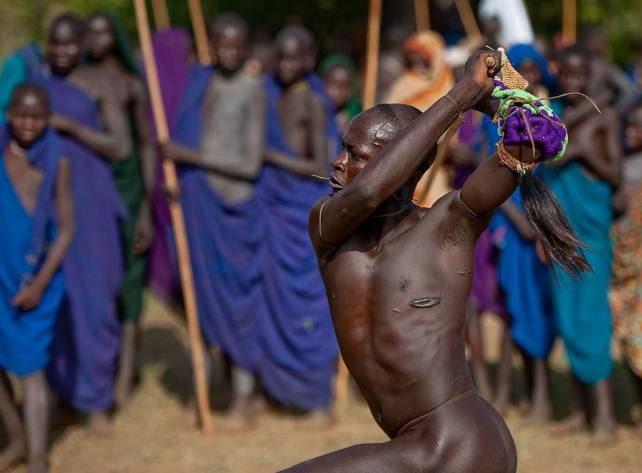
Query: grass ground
x=154, y=434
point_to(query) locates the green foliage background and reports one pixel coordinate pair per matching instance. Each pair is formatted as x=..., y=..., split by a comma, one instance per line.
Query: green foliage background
x=22, y=20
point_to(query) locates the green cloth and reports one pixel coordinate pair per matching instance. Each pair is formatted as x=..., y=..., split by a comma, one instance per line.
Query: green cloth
x=129, y=179
x=128, y=176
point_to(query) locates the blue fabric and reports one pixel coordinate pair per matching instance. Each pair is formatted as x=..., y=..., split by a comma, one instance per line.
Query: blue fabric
x=15, y=70
x=45, y=154
x=582, y=311
x=519, y=53
x=225, y=243
x=87, y=341
x=524, y=282
x=298, y=341
x=25, y=336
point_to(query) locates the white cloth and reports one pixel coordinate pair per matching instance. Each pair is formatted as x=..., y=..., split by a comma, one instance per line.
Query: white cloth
x=513, y=17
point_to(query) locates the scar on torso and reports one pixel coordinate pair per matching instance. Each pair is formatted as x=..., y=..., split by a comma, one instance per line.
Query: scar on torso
x=425, y=302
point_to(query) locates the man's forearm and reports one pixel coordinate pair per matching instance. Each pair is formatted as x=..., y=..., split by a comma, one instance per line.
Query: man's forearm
x=401, y=158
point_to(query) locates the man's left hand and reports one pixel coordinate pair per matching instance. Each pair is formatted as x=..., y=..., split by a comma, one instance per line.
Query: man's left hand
x=28, y=298
x=144, y=232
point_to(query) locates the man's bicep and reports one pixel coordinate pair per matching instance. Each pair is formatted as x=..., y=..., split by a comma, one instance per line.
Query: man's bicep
x=341, y=215
x=488, y=187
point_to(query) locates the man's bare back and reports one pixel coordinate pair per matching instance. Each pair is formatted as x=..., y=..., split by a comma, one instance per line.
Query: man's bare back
x=398, y=279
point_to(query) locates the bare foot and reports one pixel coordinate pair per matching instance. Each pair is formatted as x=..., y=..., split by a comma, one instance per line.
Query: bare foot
x=240, y=416
x=12, y=454
x=604, y=436
x=574, y=423
x=98, y=424
x=38, y=466
x=316, y=419
x=539, y=414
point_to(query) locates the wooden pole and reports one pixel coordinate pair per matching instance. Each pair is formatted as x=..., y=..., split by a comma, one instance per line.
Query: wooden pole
x=468, y=19
x=422, y=15
x=372, y=55
x=178, y=220
x=200, y=32
x=161, y=14
x=569, y=20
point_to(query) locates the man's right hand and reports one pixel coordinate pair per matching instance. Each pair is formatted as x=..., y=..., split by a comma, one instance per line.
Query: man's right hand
x=481, y=67
x=170, y=150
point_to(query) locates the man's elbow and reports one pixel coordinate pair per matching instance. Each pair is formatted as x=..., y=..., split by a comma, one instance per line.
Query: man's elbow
x=370, y=199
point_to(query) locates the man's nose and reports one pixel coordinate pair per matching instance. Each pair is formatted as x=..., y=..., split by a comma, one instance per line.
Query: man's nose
x=340, y=162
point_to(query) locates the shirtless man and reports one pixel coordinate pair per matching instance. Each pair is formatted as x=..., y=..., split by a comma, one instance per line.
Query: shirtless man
x=219, y=135
x=29, y=305
x=398, y=277
x=111, y=74
x=296, y=331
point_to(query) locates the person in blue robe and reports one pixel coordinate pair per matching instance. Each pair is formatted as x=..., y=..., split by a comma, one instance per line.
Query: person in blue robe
x=583, y=182
x=299, y=356
x=36, y=229
x=87, y=341
x=218, y=142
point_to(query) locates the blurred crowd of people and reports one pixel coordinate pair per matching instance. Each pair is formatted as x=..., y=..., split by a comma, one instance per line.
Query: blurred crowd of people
x=86, y=224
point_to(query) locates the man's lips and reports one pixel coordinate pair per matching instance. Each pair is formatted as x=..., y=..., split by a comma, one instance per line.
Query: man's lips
x=336, y=184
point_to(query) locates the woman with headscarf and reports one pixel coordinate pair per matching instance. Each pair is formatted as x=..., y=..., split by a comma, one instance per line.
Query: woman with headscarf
x=426, y=79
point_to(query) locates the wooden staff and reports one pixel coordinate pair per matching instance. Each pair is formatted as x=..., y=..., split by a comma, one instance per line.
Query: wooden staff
x=161, y=14
x=200, y=32
x=372, y=56
x=569, y=22
x=178, y=220
x=467, y=18
x=422, y=15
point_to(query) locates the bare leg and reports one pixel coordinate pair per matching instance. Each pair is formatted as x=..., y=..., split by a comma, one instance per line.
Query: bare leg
x=17, y=448
x=502, y=400
x=125, y=380
x=579, y=419
x=241, y=415
x=36, y=414
x=603, y=418
x=99, y=424
x=480, y=373
x=541, y=409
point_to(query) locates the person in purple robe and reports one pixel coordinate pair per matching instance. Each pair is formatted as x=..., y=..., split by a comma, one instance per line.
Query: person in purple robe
x=218, y=142
x=36, y=229
x=87, y=341
x=299, y=356
x=172, y=51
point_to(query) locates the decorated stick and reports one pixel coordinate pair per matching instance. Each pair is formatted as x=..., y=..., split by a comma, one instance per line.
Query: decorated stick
x=178, y=221
x=372, y=54
x=569, y=27
x=422, y=15
x=200, y=32
x=467, y=17
x=161, y=14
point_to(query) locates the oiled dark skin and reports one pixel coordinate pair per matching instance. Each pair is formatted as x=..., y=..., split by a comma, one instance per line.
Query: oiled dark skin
x=300, y=109
x=398, y=278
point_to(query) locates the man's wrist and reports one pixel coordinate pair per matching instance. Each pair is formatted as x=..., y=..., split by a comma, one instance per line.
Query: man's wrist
x=466, y=94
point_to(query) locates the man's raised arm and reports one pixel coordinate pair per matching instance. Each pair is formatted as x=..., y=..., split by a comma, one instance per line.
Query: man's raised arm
x=334, y=219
